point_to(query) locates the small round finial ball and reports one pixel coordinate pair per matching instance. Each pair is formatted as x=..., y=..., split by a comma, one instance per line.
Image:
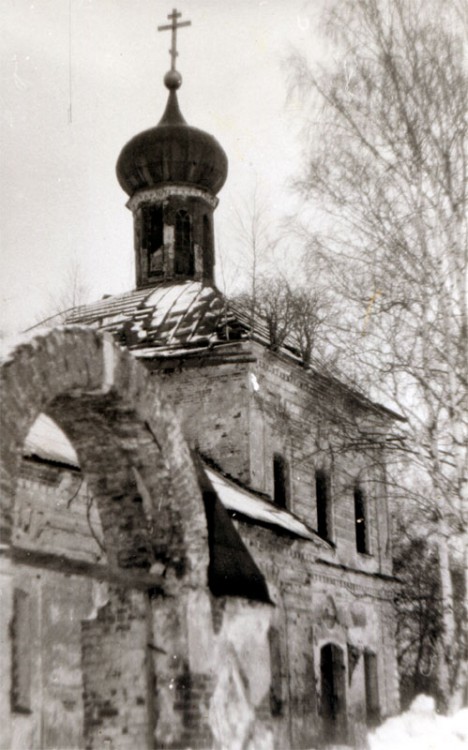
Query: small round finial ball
x=172, y=80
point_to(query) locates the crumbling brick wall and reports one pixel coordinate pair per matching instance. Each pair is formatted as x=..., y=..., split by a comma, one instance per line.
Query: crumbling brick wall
x=144, y=683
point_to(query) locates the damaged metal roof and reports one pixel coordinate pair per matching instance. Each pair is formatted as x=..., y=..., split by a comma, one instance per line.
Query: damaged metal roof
x=186, y=318
x=168, y=318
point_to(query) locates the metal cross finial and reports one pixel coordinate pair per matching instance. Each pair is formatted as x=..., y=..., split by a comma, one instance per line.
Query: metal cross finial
x=173, y=27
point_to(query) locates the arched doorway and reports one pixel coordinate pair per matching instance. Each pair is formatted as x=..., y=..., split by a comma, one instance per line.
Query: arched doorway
x=333, y=694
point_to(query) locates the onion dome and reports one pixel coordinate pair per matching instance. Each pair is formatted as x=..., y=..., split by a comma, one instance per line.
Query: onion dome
x=172, y=152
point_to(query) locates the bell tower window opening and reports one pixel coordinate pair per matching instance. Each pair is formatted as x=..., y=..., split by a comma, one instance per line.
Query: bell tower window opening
x=360, y=521
x=207, y=247
x=153, y=239
x=184, y=255
x=323, y=502
x=280, y=481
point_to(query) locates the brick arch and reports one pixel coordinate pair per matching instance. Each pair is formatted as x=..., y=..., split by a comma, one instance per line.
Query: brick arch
x=127, y=438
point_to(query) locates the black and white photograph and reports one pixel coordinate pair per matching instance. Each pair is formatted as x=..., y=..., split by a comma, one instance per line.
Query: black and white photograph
x=234, y=375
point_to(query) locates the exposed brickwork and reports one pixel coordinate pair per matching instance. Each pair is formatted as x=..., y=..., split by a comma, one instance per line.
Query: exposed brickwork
x=56, y=513
x=137, y=468
x=114, y=661
x=213, y=405
x=118, y=421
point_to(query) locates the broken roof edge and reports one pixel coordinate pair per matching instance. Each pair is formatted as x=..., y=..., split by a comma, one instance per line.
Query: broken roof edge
x=228, y=311
x=258, y=507
x=232, y=569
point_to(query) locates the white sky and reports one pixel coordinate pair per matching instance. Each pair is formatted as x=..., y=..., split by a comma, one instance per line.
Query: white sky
x=61, y=203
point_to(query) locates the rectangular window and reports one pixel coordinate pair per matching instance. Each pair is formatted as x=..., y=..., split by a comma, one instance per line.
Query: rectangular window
x=280, y=481
x=21, y=653
x=372, y=688
x=360, y=521
x=322, y=498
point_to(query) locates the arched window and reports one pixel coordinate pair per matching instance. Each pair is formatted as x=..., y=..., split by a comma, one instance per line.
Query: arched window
x=184, y=257
x=333, y=694
x=323, y=503
x=360, y=521
x=152, y=240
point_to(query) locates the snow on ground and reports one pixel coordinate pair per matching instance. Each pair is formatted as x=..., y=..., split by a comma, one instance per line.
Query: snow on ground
x=421, y=728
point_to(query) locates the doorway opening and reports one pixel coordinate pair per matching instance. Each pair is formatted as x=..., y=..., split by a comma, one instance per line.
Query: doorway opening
x=333, y=694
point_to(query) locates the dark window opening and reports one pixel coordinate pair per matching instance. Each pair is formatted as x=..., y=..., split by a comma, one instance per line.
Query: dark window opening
x=21, y=653
x=280, y=481
x=184, y=255
x=207, y=247
x=360, y=521
x=153, y=239
x=333, y=694
x=322, y=496
x=372, y=689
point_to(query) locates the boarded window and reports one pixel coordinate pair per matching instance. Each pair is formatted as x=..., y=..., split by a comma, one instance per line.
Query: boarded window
x=280, y=481
x=184, y=256
x=276, y=687
x=372, y=688
x=21, y=653
x=322, y=495
x=153, y=239
x=360, y=521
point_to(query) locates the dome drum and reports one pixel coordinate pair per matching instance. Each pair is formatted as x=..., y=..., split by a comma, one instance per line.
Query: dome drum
x=173, y=239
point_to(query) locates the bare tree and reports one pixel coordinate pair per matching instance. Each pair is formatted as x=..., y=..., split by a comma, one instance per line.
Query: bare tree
x=292, y=315
x=73, y=292
x=251, y=249
x=386, y=184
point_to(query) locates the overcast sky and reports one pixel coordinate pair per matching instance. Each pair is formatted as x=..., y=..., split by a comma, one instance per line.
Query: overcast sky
x=81, y=77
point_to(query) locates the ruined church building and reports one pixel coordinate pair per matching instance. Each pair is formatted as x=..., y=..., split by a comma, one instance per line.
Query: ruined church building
x=204, y=561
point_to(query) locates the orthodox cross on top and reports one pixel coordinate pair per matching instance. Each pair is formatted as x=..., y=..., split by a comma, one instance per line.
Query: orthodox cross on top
x=173, y=27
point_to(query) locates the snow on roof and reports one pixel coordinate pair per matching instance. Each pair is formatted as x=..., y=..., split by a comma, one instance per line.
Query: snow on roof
x=240, y=500
x=176, y=315
x=174, y=319
x=48, y=442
